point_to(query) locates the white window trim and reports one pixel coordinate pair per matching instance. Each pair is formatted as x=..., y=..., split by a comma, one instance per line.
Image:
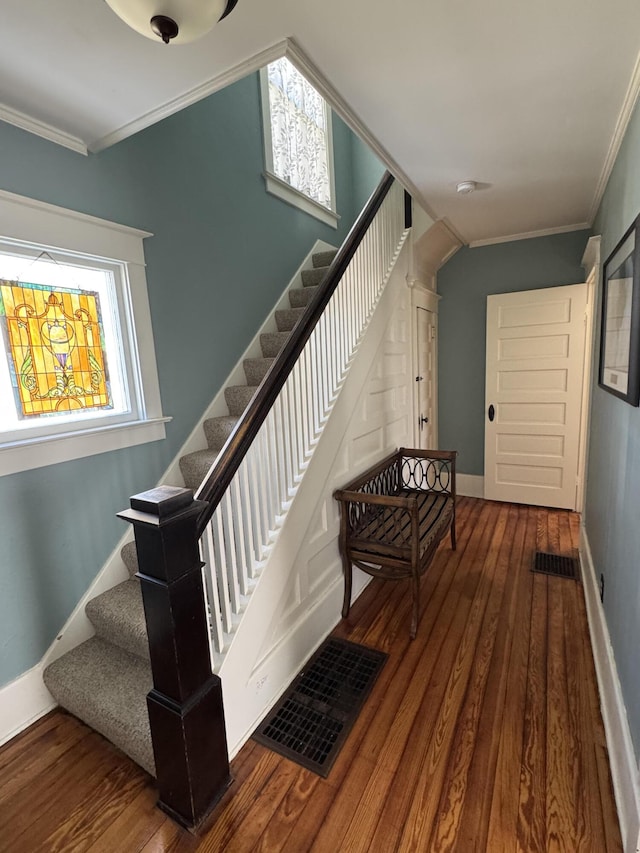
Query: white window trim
x=57, y=228
x=275, y=185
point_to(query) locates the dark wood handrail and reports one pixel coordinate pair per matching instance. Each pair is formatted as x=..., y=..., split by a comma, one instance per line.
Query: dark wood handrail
x=247, y=428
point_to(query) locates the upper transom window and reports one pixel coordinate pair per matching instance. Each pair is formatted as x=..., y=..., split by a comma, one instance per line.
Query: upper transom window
x=298, y=141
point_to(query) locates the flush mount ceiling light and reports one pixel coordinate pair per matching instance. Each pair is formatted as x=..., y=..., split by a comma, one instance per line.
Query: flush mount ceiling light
x=180, y=21
x=466, y=187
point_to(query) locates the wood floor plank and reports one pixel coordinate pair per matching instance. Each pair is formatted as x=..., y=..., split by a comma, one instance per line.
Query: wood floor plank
x=260, y=815
x=482, y=734
x=32, y=755
x=561, y=736
x=587, y=819
x=508, y=665
x=444, y=835
x=338, y=817
x=231, y=816
x=531, y=833
x=428, y=749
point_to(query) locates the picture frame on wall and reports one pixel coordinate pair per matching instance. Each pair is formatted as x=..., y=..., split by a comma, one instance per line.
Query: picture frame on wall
x=620, y=329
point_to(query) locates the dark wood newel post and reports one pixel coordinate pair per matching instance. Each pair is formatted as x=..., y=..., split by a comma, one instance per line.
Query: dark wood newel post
x=185, y=706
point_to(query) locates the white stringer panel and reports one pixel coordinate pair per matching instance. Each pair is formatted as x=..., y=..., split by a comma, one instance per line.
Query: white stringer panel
x=535, y=358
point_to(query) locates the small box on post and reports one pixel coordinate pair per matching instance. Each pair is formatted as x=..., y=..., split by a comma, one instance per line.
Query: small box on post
x=186, y=714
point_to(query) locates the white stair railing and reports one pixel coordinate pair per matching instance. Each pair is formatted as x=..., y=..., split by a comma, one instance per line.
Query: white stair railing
x=236, y=542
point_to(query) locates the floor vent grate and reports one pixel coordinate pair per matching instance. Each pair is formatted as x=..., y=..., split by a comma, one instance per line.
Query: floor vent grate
x=552, y=564
x=312, y=719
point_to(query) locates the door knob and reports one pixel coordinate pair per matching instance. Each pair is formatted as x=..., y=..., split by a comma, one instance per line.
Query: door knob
x=491, y=413
x=422, y=421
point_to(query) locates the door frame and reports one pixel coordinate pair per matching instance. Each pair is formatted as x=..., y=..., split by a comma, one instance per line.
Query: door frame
x=421, y=297
x=591, y=265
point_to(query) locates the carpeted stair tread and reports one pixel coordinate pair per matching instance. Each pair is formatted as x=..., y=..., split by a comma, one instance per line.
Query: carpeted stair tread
x=118, y=617
x=311, y=278
x=107, y=688
x=238, y=397
x=272, y=343
x=255, y=369
x=287, y=319
x=195, y=466
x=129, y=556
x=300, y=297
x=323, y=259
x=217, y=430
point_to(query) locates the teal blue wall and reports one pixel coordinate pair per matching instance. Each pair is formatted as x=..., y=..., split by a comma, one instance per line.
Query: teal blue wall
x=367, y=172
x=464, y=284
x=222, y=253
x=613, y=480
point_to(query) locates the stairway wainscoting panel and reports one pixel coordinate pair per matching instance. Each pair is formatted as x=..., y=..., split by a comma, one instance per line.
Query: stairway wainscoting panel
x=297, y=599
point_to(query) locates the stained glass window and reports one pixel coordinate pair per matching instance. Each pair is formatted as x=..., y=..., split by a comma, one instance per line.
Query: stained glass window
x=55, y=342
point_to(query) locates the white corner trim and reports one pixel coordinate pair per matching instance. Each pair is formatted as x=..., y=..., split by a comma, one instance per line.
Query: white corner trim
x=620, y=129
x=624, y=770
x=40, y=128
x=192, y=96
x=470, y=485
x=529, y=235
x=23, y=701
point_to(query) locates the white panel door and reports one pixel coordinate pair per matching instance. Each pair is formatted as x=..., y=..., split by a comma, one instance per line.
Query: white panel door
x=425, y=378
x=535, y=361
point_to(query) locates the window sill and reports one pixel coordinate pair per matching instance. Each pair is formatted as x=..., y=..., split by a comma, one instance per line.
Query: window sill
x=294, y=197
x=28, y=453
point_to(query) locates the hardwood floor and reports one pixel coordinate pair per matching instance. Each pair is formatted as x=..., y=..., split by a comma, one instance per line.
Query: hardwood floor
x=483, y=734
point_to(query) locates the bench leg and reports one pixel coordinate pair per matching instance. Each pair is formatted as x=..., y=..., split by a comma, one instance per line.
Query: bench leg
x=453, y=535
x=415, y=582
x=348, y=575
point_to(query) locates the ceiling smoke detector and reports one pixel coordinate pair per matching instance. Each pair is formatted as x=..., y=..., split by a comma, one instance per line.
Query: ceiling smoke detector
x=466, y=187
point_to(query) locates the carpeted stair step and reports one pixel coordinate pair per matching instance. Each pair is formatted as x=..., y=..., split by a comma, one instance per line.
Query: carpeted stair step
x=238, y=397
x=118, y=617
x=129, y=556
x=255, y=369
x=311, y=278
x=195, y=466
x=218, y=430
x=107, y=688
x=300, y=297
x=287, y=319
x=324, y=259
x=272, y=343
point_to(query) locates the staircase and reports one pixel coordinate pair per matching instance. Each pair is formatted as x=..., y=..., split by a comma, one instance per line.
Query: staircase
x=105, y=680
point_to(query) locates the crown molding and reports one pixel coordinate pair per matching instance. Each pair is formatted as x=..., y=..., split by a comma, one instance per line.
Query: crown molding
x=40, y=128
x=209, y=87
x=529, y=235
x=624, y=117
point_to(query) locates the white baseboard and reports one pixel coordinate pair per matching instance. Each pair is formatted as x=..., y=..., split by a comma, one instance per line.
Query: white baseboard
x=470, y=485
x=624, y=768
x=23, y=701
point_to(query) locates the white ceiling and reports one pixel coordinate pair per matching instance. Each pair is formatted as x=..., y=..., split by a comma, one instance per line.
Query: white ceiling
x=525, y=98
